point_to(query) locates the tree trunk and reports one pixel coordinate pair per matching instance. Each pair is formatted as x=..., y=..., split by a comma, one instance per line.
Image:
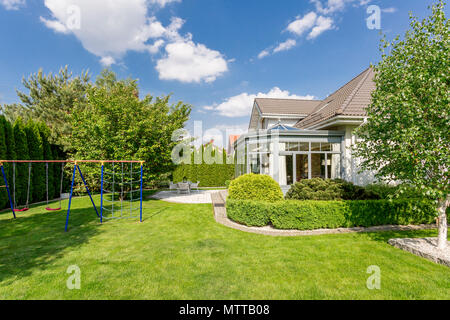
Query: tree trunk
x=442, y=223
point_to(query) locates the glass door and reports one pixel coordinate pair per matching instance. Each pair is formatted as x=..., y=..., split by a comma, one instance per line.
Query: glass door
x=301, y=167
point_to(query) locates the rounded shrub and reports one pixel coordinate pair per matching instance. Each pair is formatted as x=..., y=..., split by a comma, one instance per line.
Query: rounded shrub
x=315, y=189
x=255, y=187
x=320, y=189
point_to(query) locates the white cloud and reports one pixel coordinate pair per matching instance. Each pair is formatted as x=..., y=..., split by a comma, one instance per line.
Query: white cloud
x=301, y=25
x=323, y=24
x=331, y=6
x=364, y=2
x=107, y=61
x=189, y=62
x=55, y=25
x=241, y=105
x=389, y=10
x=111, y=28
x=162, y=3
x=12, y=4
x=263, y=54
x=106, y=28
x=288, y=44
x=311, y=21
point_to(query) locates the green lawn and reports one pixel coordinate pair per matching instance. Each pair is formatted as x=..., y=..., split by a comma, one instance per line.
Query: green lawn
x=179, y=252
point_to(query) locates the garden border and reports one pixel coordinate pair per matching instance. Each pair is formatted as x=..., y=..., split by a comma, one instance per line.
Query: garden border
x=220, y=215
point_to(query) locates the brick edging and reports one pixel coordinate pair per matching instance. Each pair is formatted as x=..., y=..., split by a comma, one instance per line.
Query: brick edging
x=220, y=215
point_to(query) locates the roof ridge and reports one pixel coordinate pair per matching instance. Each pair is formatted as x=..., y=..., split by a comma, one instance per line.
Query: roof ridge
x=290, y=99
x=353, y=93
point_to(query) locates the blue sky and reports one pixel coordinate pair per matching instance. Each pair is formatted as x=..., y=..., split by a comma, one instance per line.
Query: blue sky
x=214, y=54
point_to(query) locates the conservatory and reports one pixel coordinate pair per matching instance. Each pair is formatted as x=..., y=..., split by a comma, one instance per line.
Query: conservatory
x=288, y=154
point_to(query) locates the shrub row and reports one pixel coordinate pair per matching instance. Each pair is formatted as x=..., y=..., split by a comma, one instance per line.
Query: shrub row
x=209, y=175
x=320, y=189
x=310, y=215
x=25, y=141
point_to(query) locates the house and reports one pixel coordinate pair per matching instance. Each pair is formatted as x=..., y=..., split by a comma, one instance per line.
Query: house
x=232, y=138
x=291, y=140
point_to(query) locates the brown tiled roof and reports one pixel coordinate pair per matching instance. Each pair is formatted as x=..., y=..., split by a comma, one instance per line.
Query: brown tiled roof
x=350, y=100
x=286, y=106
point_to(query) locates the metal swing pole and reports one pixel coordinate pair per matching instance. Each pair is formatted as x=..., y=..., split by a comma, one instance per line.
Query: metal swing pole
x=142, y=173
x=101, y=195
x=88, y=192
x=71, y=194
x=7, y=189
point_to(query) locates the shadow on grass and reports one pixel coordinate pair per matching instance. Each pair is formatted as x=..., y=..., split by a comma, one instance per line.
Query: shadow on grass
x=386, y=236
x=32, y=241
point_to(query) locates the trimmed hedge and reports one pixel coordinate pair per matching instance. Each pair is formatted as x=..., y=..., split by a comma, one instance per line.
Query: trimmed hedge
x=310, y=215
x=209, y=175
x=25, y=142
x=249, y=212
x=255, y=187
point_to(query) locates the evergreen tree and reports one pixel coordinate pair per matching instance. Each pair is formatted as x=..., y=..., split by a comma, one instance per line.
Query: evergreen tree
x=10, y=149
x=3, y=193
x=44, y=132
x=21, y=171
x=36, y=152
x=51, y=98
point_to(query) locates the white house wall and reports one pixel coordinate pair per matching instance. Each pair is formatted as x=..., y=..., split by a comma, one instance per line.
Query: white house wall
x=351, y=163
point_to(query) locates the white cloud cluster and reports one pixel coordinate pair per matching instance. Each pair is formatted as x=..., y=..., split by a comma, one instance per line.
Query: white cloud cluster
x=331, y=6
x=189, y=62
x=12, y=4
x=301, y=25
x=315, y=22
x=111, y=28
x=283, y=46
x=241, y=105
x=288, y=44
x=389, y=10
x=310, y=22
x=163, y=3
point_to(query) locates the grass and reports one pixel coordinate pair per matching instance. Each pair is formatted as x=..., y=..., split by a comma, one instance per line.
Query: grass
x=180, y=252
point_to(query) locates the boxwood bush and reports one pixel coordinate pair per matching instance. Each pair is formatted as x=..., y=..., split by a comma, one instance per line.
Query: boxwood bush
x=255, y=187
x=249, y=212
x=320, y=189
x=310, y=215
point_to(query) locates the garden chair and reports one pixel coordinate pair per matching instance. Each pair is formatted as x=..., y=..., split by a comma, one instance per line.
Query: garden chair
x=195, y=186
x=173, y=186
x=184, y=187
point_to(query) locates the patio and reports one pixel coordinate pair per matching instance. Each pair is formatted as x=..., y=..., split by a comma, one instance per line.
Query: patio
x=197, y=197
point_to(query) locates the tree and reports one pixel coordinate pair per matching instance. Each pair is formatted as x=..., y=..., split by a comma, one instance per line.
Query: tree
x=10, y=147
x=116, y=124
x=3, y=193
x=407, y=136
x=22, y=153
x=44, y=133
x=36, y=152
x=51, y=99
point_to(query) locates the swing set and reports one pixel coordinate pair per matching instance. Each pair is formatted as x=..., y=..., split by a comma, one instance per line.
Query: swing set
x=129, y=182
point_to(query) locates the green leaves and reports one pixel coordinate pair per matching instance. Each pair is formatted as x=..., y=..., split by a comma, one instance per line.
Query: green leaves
x=407, y=136
x=115, y=124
